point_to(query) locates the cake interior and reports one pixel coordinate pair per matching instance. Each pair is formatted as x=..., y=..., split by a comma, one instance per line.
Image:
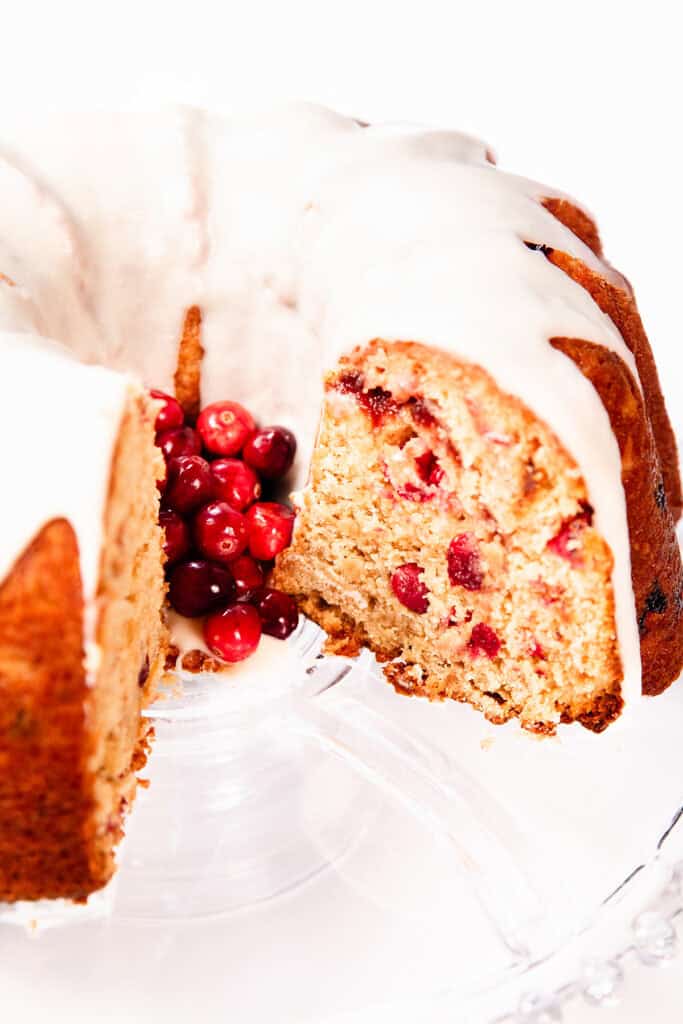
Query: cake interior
x=71, y=736
x=131, y=632
x=447, y=528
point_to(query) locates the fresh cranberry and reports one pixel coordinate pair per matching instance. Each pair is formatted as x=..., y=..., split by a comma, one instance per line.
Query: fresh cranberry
x=271, y=451
x=484, y=640
x=189, y=483
x=224, y=427
x=270, y=529
x=220, y=532
x=170, y=414
x=464, y=565
x=248, y=575
x=278, y=613
x=176, y=535
x=181, y=441
x=197, y=587
x=234, y=633
x=235, y=483
x=409, y=588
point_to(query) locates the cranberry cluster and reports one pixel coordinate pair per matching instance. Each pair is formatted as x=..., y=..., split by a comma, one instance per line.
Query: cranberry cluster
x=464, y=570
x=218, y=532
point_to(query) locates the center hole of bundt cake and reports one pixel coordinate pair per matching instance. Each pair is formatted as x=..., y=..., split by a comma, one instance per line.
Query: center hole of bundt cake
x=222, y=529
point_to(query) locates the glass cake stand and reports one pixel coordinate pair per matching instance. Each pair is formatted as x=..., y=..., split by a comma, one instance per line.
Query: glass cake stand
x=315, y=848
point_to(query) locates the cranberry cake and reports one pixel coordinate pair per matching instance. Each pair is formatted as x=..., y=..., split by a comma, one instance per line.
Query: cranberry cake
x=465, y=551
x=82, y=641
x=486, y=485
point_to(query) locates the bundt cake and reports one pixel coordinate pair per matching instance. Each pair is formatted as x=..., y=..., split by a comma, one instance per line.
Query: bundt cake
x=81, y=637
x=487, y=478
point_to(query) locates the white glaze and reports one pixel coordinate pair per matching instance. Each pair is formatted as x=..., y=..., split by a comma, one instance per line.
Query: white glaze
x=60, y=424
x=301, y=234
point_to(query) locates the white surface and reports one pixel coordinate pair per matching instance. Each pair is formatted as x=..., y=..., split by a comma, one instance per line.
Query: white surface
x=586, y=98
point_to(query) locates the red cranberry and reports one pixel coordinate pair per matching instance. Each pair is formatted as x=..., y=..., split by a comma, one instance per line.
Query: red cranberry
x=376, y=402
x=181, y=441
x=224, y=427
x=278, y=613
x=220, y=532
x=234, y=633
x=197, y=587
x=170, y=414
x=409, y=588
x=567, y=542
x=411, y=492
x=176, y=535
x=536, y=650
x=271, y=451
x=484, y=640
x=464, y=566
x=235, y=483
x=451, y=619
x=428, y=468
x=270, y=529
x=189, y=483
x=248, y=575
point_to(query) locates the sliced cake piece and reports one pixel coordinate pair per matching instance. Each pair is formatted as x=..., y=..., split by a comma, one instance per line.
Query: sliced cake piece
x=82, y=639
x=446, y=527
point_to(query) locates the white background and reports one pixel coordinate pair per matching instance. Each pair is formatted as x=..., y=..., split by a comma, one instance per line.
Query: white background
x=585, y=96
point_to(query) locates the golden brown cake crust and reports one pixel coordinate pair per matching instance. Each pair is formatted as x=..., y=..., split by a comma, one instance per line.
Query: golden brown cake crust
x=45, y=804
x=620, y=306
x=656, y=570
x=187, y=380
x=650, y=467
x=578, y=222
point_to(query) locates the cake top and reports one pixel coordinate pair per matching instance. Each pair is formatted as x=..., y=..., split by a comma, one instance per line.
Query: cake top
x=301, y=234
x=60, y=421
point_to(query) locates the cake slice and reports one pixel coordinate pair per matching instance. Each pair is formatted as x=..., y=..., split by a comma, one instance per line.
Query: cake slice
x=82, y=639
x=448, y=528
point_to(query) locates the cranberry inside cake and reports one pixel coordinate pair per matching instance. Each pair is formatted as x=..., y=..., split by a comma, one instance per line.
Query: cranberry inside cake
x=447, y=528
